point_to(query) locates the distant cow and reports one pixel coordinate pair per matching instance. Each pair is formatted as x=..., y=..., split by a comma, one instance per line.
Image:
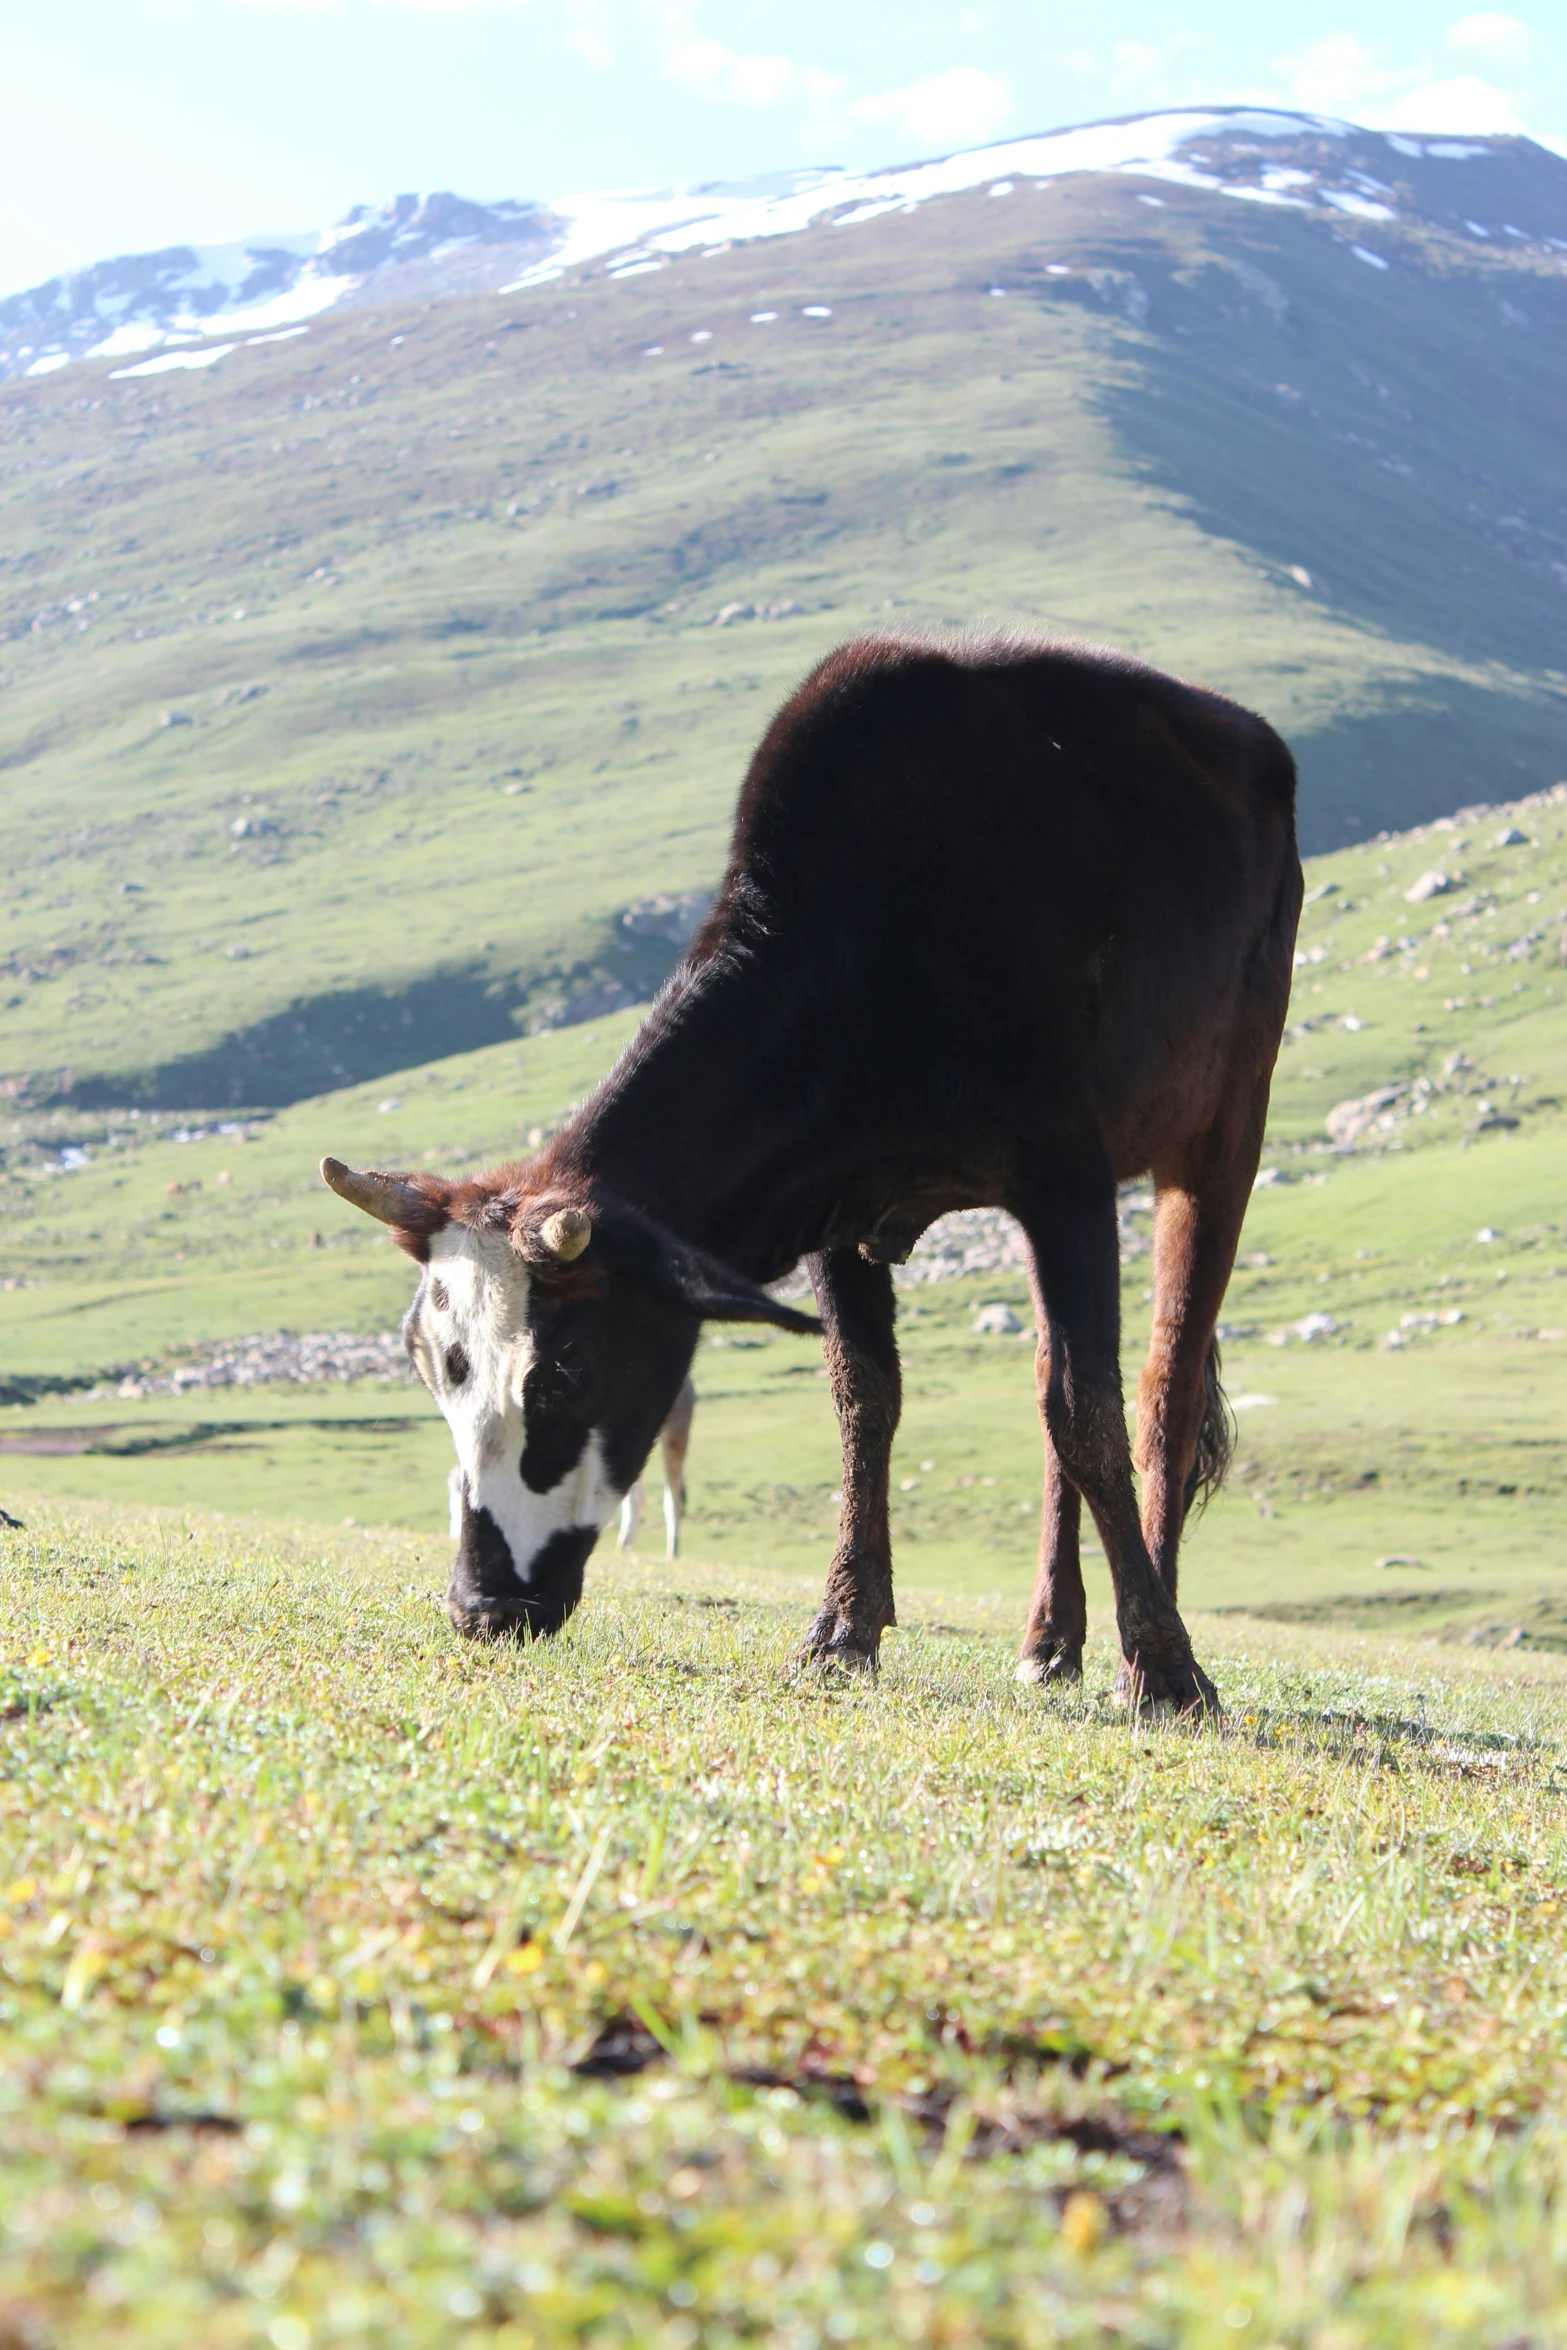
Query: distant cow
x=674, y=1441
x=1004, y=923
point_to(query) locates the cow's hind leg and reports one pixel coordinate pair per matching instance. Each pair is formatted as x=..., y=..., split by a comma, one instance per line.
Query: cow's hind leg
x=1183, y=1427
x=857, y=1306
x=1058, y=1612
x=1071, y=1226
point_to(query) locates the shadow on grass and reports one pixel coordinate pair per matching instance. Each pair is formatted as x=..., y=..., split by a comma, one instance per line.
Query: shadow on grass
x=106, y=1439
x=355, y=1036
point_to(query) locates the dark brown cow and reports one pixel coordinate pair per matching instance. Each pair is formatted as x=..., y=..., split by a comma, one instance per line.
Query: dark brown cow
x=1004, y=923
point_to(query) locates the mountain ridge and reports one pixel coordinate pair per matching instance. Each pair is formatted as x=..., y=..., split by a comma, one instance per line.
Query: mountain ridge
x=439, y=244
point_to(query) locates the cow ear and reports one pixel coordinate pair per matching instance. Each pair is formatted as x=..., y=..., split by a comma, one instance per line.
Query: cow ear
x=654, y=1259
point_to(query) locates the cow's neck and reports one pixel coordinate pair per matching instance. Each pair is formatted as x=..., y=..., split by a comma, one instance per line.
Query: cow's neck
x=715, y=1122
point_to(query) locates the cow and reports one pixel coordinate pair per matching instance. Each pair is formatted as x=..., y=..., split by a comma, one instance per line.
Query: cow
x=674, y=1441
x=1005, y=922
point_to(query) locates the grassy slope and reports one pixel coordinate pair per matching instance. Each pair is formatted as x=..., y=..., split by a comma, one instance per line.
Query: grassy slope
x=1361, y=1455
x=472, y=554
x=305, y=1915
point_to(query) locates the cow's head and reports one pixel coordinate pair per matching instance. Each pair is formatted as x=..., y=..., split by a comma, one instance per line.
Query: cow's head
x=554, y=1334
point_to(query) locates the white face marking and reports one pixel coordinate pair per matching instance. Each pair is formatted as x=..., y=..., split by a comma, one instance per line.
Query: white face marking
x=486, y=1315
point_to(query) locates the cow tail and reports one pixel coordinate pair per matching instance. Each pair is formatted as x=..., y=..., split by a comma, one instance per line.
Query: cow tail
x=1215, y=1439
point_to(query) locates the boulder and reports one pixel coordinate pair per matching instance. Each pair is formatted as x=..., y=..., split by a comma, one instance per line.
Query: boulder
x=1367, y=1113
x=674, y=920
x=995, y=1321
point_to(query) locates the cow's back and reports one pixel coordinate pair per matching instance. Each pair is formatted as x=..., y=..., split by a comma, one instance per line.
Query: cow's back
x=1019, y=859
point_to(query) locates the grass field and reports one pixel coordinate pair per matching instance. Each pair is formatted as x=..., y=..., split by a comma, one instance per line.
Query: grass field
x=359, y=1988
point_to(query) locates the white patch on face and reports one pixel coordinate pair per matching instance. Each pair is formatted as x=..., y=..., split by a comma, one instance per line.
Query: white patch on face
x=486, y=1314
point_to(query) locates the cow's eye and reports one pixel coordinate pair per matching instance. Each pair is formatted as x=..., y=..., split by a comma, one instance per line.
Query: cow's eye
x=438, y=1296
x=456, y=1365
x=542, y=1388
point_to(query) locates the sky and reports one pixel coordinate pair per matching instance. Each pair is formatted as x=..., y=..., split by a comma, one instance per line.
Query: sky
x=132, y=124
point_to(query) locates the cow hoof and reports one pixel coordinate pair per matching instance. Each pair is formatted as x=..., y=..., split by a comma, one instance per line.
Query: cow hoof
x=832, y=1647
x=1050, y=1667
x=1168, y=1689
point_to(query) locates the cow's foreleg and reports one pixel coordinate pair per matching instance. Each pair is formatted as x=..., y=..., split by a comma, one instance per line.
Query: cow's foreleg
x=1071, y=1226
x=1058, y=1612
x=858, y=1308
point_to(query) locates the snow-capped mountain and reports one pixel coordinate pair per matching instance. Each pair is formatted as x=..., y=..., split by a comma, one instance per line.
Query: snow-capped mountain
x=419, y=246
x=410, y=247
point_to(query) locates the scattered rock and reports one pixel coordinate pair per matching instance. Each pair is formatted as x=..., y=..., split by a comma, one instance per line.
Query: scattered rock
x=1417, y=1325
x=675, y=920
x=174, y=718
x=318, y=1357
x=1435, y=884
x=606, y=995
x=995, y=1321
x=1511, y=838
x=1403, y=1558
x=1368, y=1112
x=729, y=613
x=1310, y=1330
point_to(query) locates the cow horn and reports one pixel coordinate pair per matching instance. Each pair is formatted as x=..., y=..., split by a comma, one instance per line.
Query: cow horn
x=381, y=1196
x=567, y=1233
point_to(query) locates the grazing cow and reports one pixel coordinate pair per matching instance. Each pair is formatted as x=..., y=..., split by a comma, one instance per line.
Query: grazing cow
x=674, y=1440
x=1004, y=923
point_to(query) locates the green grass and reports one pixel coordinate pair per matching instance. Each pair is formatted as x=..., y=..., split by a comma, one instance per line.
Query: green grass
x=309, y=1914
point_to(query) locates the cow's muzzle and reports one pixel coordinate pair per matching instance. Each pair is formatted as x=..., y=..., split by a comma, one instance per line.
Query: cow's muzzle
x=489, y=1600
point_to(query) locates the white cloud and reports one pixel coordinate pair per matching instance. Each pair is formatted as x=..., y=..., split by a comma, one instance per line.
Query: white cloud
x=962, y=107
x=1341, y=75
x=1464, y=103
x=1148, y=61
x=1490, y=34
x=711, y=69
x=1337, y=75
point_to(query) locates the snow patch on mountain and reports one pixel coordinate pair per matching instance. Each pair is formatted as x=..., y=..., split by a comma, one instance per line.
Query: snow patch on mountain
x=640, y=225
x=416, y=247
x=140, y=302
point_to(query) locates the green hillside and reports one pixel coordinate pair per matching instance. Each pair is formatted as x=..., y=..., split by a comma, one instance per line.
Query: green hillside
x=352, y=689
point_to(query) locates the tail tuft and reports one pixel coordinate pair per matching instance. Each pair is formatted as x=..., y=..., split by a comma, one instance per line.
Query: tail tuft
x=1215, y=1439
